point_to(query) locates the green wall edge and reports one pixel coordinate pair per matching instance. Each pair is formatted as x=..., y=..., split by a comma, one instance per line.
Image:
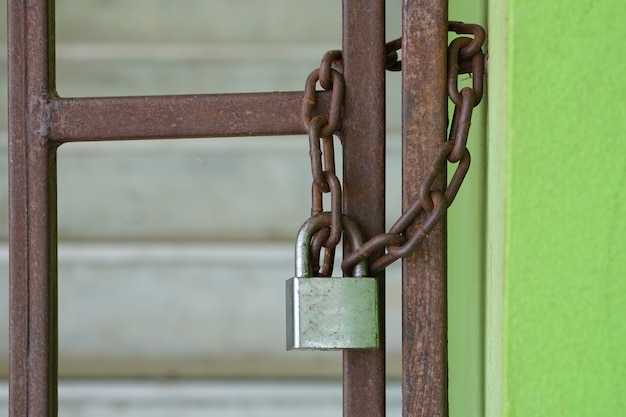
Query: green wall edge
x=556, y=292
x=466, y=257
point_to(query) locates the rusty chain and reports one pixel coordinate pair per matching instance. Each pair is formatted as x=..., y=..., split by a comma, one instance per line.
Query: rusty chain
x=465, y=56
x=325, y=180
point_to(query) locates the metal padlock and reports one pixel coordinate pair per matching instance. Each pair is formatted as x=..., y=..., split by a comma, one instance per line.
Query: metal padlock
x=330, y=313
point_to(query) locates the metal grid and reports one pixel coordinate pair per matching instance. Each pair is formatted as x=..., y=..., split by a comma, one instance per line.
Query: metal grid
x=40, y=121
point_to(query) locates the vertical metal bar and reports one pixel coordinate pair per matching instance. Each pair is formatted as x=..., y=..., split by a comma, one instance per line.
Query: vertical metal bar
x=424, y=125
x=32, y=195
x=363, y=136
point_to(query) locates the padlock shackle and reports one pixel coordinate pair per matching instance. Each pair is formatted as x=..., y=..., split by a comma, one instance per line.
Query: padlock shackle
x=314, y=225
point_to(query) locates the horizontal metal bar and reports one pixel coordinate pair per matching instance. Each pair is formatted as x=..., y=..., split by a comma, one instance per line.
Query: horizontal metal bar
x=183, y=116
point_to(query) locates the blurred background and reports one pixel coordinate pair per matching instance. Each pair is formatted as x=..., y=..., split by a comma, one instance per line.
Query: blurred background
x=173, y=254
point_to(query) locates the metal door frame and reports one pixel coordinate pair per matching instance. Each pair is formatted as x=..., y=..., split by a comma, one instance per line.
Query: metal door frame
x=40, y=121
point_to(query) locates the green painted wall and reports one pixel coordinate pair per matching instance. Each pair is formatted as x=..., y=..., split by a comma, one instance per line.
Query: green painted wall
x=557, y=209
x=466, y=257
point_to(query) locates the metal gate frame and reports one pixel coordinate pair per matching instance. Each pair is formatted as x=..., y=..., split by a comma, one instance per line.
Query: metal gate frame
x=40, y=121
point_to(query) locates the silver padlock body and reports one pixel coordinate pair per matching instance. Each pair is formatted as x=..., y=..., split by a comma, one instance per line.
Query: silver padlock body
x=332, y=313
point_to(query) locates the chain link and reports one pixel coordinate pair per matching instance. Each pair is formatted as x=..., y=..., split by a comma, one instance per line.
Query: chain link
x=406, y=235
x=465, y=56
x=322, y=153
x=332, y=79
x=392, y=63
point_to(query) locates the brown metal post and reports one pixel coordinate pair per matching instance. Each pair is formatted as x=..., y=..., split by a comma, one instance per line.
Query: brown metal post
x=32, y=195
x=363, y=135
x=424, y=121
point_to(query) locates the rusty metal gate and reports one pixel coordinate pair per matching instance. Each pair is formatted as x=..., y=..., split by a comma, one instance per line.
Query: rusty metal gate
x=40, y=121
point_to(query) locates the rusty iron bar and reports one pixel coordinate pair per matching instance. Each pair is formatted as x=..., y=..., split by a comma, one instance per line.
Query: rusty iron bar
x=363, y=136
x=424, y=125
x=184, y=116
x=32, y=208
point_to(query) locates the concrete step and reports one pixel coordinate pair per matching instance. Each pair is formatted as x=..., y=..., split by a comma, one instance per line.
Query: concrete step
x=198, y=20
x=154, y=69
x=200, y=190
x=203, y=20
x=238, y=398
x=183, y=310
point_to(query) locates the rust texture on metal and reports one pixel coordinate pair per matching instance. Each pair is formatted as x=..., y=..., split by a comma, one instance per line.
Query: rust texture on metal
x=184, y=116
x=331, y=79
x=328, y=237
x=321, y=130
x=363, y=139
x=424, y=128
x=32, y=218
